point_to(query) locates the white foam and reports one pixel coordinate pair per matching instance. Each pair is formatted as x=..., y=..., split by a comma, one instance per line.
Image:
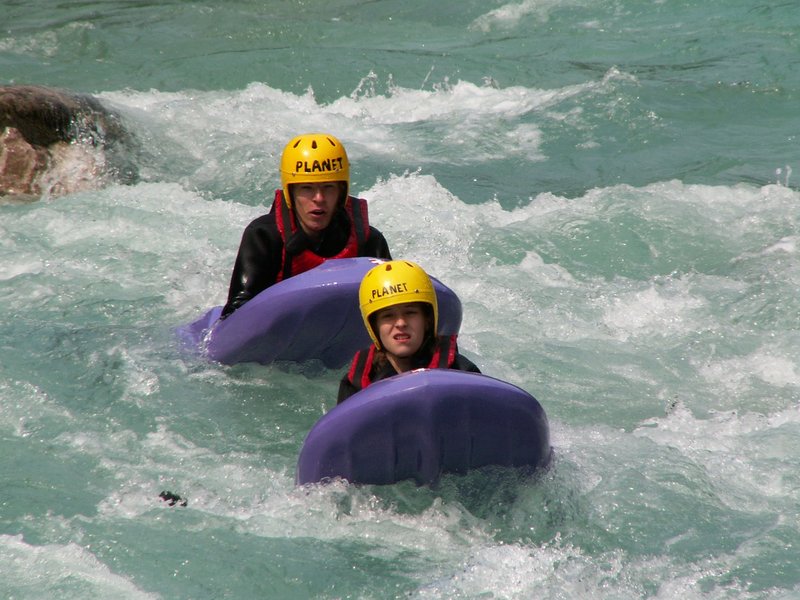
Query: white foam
x=59, y=571
x=787, y=244
x=773, y=365
x=27, y=409
x=559, y=570
x=479, y=122
x=44, y=44
x=747, y=455
x=660, y=311
x=19, y=267
x=509, y=15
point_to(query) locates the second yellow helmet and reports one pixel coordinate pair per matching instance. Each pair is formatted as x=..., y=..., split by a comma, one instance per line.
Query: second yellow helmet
x=391, y=283
x=313, y=158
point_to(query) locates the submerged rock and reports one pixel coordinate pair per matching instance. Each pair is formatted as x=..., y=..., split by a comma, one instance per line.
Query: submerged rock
x=55, y=142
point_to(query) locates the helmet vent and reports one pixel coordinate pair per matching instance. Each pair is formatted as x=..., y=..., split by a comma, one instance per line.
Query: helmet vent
x=314, y=144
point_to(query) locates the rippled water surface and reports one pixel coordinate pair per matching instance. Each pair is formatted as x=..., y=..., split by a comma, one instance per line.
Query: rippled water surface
x=608, y=185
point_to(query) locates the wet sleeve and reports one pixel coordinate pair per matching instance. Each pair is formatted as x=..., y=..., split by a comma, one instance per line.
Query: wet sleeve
x=257, y=264
x=377, y=246
x=346, y=389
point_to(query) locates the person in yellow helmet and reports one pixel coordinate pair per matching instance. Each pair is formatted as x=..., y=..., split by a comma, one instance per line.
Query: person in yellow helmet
x=400, y=311
x=313, y=218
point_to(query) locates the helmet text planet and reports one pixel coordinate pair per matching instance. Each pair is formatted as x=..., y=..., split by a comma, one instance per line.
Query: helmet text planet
x=328, y=165
x=389, y=289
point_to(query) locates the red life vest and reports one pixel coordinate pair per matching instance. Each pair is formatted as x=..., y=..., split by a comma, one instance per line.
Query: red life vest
x=361, y=369
x=285, y=219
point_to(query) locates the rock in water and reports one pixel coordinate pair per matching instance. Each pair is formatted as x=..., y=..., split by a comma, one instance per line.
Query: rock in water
x=54, y=142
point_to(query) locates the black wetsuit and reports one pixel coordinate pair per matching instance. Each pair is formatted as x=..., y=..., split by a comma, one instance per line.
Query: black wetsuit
x=422, y=360
x=261, y=252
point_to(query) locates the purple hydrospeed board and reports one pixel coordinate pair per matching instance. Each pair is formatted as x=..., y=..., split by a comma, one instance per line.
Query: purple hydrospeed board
x=313, y=315
x=424, y=423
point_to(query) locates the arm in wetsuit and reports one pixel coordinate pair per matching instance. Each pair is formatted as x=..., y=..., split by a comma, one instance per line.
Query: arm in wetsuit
x=261, y=252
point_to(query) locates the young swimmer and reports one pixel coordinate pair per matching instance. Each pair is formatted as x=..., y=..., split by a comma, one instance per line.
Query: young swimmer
x=400, y=311
x=313, y=218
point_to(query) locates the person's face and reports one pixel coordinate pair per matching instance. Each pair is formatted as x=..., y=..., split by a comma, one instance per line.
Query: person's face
x=315, y=205
x=401, y=328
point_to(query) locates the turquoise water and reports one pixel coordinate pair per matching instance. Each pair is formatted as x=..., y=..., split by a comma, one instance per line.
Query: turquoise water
x=607, y=185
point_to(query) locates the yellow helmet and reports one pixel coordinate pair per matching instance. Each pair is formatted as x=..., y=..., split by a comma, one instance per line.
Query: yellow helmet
x=391, y=283
x=313, y=158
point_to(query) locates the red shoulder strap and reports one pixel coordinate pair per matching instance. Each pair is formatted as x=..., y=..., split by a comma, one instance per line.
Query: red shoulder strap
x=359, y=215
x=445, y=354
x=286, y=226
x=361, y=367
